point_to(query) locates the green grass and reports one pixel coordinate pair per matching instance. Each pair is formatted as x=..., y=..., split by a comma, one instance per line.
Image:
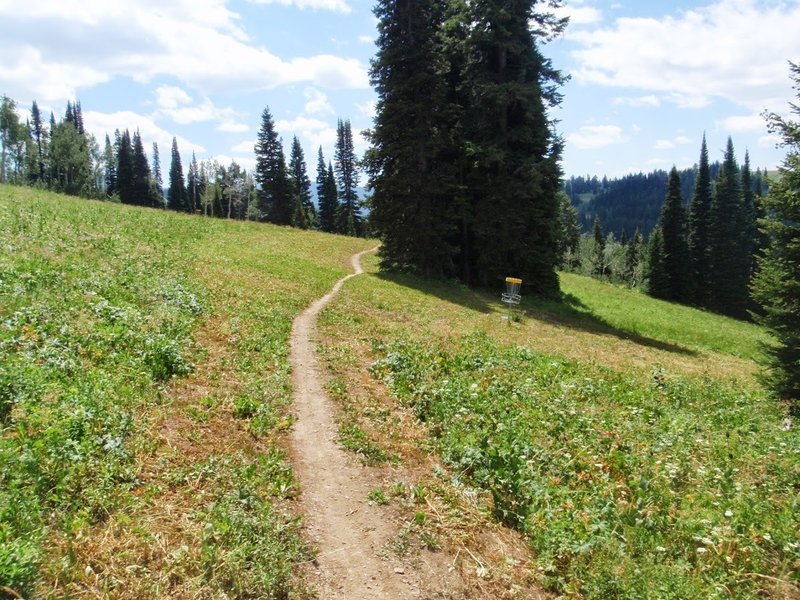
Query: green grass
x=635, y=313
x=671, y=477
x=99, y=307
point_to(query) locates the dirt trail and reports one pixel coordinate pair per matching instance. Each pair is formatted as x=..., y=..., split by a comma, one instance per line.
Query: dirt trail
x=349, y=532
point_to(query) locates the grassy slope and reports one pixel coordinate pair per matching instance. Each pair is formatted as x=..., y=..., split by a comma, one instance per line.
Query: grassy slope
x=143, y=384
x=636, y=454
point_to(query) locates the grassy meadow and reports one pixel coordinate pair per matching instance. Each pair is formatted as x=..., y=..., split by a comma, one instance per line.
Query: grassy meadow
x=144, y=386
x=625, y=438
x=145, y=396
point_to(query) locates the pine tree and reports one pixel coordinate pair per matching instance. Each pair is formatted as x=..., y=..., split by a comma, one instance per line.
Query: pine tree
x=348, y=219
x=570, y=229
x=515, y=177
x=326, y=200
x=332, y=195
x=176, y=194
x=141, y=193
x=749, y=231
x=408, y=167
x=110, y=165
x=633, y=259
x=301, y=184
x=193, y=185
x=276, y=202
x=39, y=136
x=673, y=231
x=158, y=179
x=125, y=169
x=777, y=284
x=655, y=272
x=727, y=286
x=599, y=249
x=698, y=225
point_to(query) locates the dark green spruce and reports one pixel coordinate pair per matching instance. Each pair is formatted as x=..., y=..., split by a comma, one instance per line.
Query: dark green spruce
x=777, y=284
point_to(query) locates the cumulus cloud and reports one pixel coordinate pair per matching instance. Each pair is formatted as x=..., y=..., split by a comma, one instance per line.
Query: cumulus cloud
x=334, y=5
x=743, y=124
x=579, y=14
x=592, y=137
x=638, y=101
x=664, y=144
x=698, y=55
x=51, y=49
x=317, y=103
x=100, y=124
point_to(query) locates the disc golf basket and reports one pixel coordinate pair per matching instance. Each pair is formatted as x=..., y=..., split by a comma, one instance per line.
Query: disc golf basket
x=511, y=297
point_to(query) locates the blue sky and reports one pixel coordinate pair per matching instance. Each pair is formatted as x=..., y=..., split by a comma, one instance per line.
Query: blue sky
x=647, y=77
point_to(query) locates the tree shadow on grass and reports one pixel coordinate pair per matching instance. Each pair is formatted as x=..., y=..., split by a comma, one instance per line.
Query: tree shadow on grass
x=568, y=312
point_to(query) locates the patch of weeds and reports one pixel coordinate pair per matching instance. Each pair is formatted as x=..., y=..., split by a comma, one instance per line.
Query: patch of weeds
x=378, y=496
x=621, y=486
x=245, y=407
x=353, y=438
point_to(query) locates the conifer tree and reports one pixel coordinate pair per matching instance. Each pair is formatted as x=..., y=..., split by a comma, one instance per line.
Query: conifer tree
x=158, y=179
x=276, y=202
x=407, y=165
x=142, y=192
x=633, y=259
x=326, y=200
x=193, y=192
x=348, y=218
x=125, y=169
x=673, y=231
x=698, y=224
x=110, y=165
x=655, y=273
x=306, y=215
x=332, y=196
x=599, y=260
x=777, y=284
x=39, y=136
x=726, y=282
x=749, y=231
x=176, y=194
x=516, y=174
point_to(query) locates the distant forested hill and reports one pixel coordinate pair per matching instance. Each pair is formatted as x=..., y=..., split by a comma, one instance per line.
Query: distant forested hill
x=631, y=201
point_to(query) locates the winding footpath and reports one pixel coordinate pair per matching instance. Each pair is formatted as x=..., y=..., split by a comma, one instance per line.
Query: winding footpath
x=350, y=534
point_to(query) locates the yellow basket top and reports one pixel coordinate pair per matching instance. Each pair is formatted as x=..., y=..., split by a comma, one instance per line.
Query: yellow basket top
x=513, y=280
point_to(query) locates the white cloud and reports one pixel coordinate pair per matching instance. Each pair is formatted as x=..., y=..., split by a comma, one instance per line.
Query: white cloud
x=334, y=5
x=591, y=137
x=245, y=146
x=170, y=96
x=101, y=124
x=317, y=103
x=246, y=162
x=638, y=101
x=366, y=39
x=367, y=109
x=579, y=15
x=732, y=49
x=231, y=126
x=52, y=49
x=743, y=124
x=673, y=143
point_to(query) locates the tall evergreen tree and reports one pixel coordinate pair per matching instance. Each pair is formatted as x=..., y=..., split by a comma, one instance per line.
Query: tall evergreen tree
x=39, y=136
x=110, y=165
x=655, y=272
x=142, y=192
x=125, y=169
x=326, y=200
x=749, y=231
x=306, y=215
x=698, y=224
x=158, y=178
x=276, y=202
x=348, y=219
x=599, y=259
x=673, y=230
x=726, y=282
x=411, y=178
x=176, y=194
x=777, y=284
x=193, y=184
x=514, y=151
